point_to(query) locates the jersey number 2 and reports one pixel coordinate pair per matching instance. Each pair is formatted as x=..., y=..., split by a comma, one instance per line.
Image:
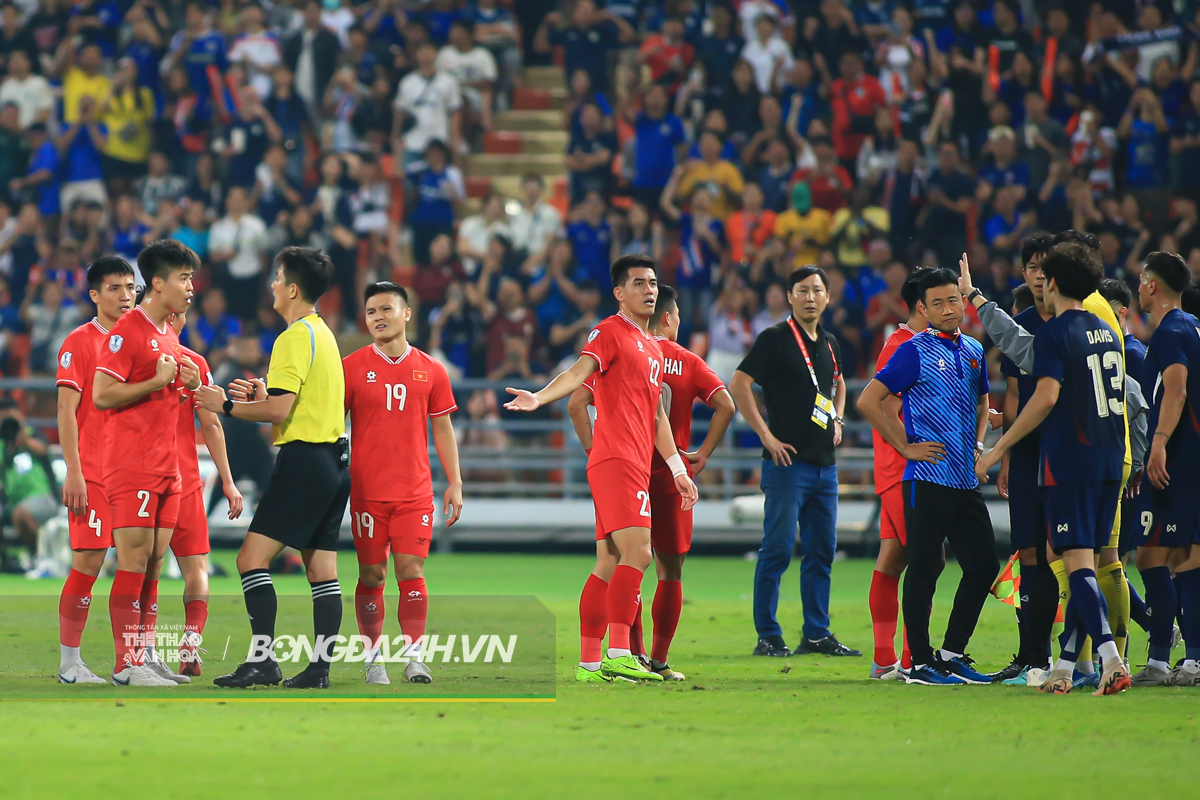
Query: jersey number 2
x=1105, y=404
x=645, y=498
x=144, y=496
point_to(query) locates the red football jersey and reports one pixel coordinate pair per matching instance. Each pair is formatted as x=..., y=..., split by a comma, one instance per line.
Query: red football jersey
x=76, y=367
x=626, y=390
x=189, y=455
x=390, y=401
x=686, y=378
x=889, y=464
x=141, y=437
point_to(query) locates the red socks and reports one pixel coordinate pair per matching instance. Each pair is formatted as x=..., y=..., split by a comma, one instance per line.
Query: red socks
x=593, y=619
x=414, y=609
x=149, y=615
x=123, y=608
x=885, y=606
x=368, y=607
x=668, y=603
x=624, y=594
x=195, y=615
x=636, y=645
x=73, y=606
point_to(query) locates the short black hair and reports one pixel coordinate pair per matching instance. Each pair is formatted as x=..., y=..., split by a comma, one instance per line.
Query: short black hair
x=385, y=287
x=1171, y=268
x=1079, y=237
x=105, y=266
x=308, y=268
x=1074, y=271
x=804, y=273
x=1022, y=298
x=1115, y=291
x=159, y=258
x=668, y=300
x=910, y=292
x=620, y=268
x=1035, y=245
x=935, y=278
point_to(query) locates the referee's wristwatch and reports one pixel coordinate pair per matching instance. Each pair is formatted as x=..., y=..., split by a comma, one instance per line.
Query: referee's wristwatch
x=227, y=408
x=973, y=294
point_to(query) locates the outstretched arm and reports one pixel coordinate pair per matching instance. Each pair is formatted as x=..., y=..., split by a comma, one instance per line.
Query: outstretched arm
x=1034, y=413
x=214, y=438
x=564, y=384
x=1012, y=339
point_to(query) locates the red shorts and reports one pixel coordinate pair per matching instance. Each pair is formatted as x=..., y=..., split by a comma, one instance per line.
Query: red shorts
x=143, y=501
x=401, y=527
x=621, y=494
x=191, y=529
x=93, y=530
x=891, y=514
x=671, y=529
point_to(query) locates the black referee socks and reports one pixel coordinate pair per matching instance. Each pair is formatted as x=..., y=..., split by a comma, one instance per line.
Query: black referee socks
x=261, y=603
x=327, y=614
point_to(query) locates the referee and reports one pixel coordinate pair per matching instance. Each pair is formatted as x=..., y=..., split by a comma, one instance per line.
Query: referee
x=941, y=376
x=303, y=397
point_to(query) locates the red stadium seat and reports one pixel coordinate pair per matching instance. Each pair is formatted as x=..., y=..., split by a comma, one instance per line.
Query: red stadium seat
x=478, y=186
x=502, y=143
x=525, y=99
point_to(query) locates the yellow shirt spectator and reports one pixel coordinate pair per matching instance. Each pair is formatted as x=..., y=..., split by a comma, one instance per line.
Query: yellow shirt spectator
x=721, y=179
x=851, y=232
x=128, y=116
x=803, y=229
x=78, y=84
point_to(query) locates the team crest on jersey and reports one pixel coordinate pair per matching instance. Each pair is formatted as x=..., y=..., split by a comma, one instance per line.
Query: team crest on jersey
x=66, y=359
x=371, y=376
x=592, y=336
x=154, y=345
x=425, y=520
x=974, y=362
x=115, y=342
x=941, y=363
x=420, y=375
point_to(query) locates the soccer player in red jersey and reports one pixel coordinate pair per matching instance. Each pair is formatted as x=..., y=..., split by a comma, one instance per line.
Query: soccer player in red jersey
x=139, y=378
x=189, y=542
x=393, y=391
x=630, y=425
x=686, y=379
x=80, y=431
x=889, y=472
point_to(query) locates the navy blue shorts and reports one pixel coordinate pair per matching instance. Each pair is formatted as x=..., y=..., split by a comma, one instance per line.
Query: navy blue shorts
x=1024, y=505
x=1169, y=517
x=1131, y=525
x=1080, y=515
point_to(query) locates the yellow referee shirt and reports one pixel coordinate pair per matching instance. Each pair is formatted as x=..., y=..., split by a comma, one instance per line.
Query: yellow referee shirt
x=1096, y=304
x=305, y=361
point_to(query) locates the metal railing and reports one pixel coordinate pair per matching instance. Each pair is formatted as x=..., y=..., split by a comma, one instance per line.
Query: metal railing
x=543, y=457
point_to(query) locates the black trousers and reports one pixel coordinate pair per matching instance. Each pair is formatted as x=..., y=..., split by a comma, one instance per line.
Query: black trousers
x=935, y=514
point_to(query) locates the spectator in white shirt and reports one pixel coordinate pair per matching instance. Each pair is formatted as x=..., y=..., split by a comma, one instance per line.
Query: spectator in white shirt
x=257, y=49
x=31, y=93
x=776, y=311
x=474, y=68
x=432, y=101
x=476, y=232
x=767, y=53
x=237, y=244
x=537, y=223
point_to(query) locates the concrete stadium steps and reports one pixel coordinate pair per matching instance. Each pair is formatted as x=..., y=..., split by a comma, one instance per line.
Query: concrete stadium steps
x=529, y=121
x=514, y=142
x=489, y=165
x=545, y=78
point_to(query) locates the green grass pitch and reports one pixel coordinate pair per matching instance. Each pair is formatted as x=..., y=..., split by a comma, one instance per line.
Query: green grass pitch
x=739, y=727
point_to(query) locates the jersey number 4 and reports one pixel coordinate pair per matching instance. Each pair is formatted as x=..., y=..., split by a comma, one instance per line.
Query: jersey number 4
x=1105, y=404
x=397, y=395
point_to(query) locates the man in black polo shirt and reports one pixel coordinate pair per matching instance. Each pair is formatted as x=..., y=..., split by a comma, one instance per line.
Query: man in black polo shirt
x=798, y=367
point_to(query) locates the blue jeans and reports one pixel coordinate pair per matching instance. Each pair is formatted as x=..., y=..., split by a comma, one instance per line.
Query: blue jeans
x=806, y=494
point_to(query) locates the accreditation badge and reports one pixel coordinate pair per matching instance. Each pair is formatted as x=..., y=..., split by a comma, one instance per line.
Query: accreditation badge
x=822, y=411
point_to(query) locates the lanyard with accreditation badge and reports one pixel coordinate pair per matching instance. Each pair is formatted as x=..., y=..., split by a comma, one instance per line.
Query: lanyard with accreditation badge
x=823, y=406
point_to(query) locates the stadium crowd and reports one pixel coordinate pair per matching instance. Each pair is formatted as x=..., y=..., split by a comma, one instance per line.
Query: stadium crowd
x=732, y=141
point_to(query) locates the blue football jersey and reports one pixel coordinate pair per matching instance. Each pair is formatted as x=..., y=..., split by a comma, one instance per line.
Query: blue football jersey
x=1025, y=452
x=1083, y=438
x=1176, y=340
x=940, y=380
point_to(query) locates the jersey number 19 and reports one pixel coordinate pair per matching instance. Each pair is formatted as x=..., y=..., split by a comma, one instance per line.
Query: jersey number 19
x=397, y=394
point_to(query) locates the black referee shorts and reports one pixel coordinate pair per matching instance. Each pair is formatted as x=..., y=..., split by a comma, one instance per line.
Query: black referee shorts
x=306, y=501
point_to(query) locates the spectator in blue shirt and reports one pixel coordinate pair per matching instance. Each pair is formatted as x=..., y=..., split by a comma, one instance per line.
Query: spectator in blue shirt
x=211, y=331
x=720, y=50
x=437, y=188
x=702, y=246
x=1185, y=144
x=660, y=143
x=40, y=184
x=590, y=155
x=128, y=233
x=200, y=50
x=951, y=193
x=586, y=41
x=250, y=133
x=194, y=232
x=1144, y=130
x=581, y=93
x=1005, y=169
x=1005, y=228
x=290, y=114
x=79, y=145
x=591, y=239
